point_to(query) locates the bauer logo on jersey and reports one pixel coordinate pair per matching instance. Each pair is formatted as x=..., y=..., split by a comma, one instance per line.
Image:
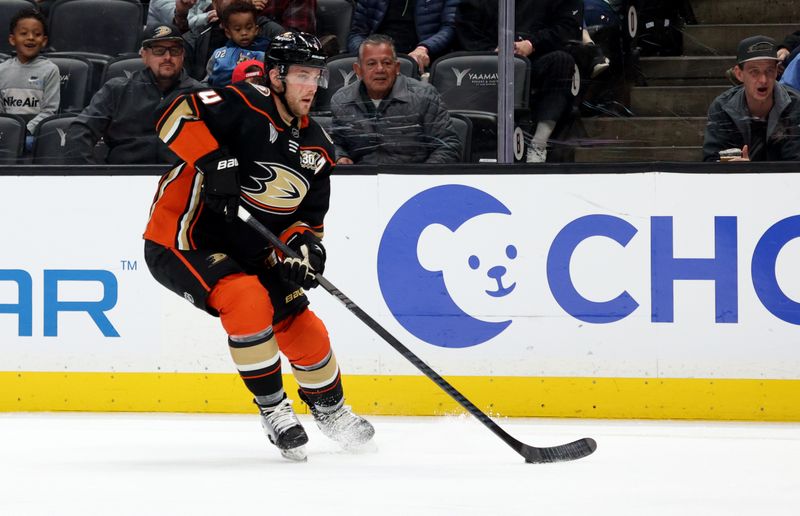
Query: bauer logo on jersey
x=278, y=189
x=432, y=259
x=311, y=160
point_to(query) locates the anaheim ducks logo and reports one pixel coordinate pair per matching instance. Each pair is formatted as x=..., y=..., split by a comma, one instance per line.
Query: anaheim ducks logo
x=216, y=258
x=162, y=31
x=278, y=190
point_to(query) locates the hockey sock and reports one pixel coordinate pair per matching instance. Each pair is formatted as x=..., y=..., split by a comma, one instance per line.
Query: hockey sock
x=320, y=383
x=259, y=364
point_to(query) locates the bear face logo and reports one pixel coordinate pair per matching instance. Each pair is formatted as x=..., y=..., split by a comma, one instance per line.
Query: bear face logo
x=479, y=276
x=446, y=270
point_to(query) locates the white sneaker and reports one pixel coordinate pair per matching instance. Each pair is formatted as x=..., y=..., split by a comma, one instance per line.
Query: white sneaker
x=536, y=154
x=343, y=426
x=284, y=430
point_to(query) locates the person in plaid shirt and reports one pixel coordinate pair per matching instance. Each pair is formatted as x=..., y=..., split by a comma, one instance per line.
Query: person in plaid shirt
x=299, y=15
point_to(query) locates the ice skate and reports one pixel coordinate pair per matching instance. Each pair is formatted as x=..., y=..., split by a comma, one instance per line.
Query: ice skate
x=343, y=426
x=284, y=430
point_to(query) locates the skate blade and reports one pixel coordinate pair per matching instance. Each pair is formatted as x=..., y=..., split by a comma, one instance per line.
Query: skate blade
x=295, y=454
x=360, y=447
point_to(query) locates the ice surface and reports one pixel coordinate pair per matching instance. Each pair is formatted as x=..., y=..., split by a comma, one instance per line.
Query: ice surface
x=153, y=464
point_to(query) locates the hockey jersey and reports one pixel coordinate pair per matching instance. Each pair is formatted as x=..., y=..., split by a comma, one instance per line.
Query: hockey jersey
x=284, y=170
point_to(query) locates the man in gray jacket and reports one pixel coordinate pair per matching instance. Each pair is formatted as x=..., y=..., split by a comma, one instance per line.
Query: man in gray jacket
x=759, y=120
x=385, y=117
x=123, y=112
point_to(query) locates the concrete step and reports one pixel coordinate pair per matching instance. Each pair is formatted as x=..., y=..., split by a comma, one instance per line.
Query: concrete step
x=646, y=131
x=674, y=100
x=686, y=70
x=721, y=40
x=746, y=11
x=637, y=154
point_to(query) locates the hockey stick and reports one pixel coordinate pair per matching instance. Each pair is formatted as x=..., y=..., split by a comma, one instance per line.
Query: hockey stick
x=564, y=452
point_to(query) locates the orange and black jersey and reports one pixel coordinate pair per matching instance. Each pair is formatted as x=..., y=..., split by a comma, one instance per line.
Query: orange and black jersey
x=284, y=171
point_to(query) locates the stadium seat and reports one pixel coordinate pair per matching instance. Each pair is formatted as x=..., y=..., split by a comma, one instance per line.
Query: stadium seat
x=463, y=126
x=467, y=82
x=106, y=27
x=12, y=138
x=50, y=139
x=76, y=80
x=340, y=69
x=333, y=17
x=122, y=66
x=8, y=8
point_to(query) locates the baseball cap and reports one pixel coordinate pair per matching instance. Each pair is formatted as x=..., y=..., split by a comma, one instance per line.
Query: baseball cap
x=160, y=32
x=240, y=73
x=756, y=47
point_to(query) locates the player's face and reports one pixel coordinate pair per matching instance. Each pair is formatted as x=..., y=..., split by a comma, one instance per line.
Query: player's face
x=758, y=78
x=241, y=29
x=28, y=39
x=301, y=86
x=378, y=68
x=167, y=65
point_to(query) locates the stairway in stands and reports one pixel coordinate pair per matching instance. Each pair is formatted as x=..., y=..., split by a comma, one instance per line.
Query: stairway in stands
x=671, y=108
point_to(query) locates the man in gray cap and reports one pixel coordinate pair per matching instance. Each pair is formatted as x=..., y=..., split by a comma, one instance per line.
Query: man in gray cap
x=758, y=120
x=123, y=111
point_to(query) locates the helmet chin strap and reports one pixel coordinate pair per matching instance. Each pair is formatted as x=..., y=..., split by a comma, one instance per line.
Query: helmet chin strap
x=294, y=123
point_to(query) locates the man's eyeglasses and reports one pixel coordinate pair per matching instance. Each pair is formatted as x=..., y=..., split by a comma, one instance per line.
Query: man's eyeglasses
x=173, y=51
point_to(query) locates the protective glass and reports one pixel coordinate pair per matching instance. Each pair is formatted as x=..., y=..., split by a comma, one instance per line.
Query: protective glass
x=173, y=51
x=307, y=75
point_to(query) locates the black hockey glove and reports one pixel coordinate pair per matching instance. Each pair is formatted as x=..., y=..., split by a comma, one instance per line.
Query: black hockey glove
x=220, y=183
x=301, y=271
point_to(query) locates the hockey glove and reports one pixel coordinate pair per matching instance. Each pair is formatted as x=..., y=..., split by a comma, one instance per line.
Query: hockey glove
x=302, y=271
x=220, y=183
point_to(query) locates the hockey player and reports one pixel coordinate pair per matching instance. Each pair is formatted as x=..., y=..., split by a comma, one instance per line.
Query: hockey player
x=256, y=145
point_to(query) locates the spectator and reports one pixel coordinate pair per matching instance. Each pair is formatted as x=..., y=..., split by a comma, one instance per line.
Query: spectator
x=29, y=83
x=543, y=30
x=423, y=30
x=239, y=23
x=123, y=111
x=385, y=117
x=251, y=71
x=201, y=14
x=296, y=15
x=170, y=12
x=201, y=44
x=760, y=118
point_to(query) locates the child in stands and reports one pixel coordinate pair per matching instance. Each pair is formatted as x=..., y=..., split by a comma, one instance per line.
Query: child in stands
x=29, y=83
x=244, y=43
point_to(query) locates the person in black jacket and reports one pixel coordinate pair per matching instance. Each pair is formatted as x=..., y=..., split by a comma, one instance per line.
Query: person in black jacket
x=543, y=30
x=122, y=112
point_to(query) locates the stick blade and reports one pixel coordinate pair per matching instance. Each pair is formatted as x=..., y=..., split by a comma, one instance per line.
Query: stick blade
x=561, y=453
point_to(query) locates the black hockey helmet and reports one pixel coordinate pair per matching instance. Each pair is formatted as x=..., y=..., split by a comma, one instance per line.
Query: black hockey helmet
x=296, y=48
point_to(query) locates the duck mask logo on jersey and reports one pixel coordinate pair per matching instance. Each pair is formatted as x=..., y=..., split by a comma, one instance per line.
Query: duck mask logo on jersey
x=434, y=267
x=278, y=189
